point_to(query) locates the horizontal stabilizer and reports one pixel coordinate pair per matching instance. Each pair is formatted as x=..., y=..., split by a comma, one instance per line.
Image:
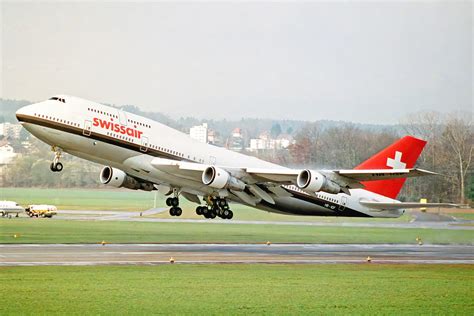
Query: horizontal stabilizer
x=383, y=174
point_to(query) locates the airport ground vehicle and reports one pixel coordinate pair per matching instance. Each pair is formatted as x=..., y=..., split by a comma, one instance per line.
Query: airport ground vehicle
x=41, y=210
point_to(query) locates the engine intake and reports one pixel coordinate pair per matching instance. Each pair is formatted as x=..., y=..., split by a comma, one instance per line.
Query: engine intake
x=119, y=179
x=313, y=181
x=218, y=178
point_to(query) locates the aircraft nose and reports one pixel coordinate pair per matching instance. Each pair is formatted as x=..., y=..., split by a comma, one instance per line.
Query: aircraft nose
x=23, y=112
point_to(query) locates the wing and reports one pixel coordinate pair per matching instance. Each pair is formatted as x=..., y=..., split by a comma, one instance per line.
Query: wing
x=403, y=205
x=265, y=183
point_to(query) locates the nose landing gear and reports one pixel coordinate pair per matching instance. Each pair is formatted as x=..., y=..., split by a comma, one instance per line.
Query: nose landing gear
x=56, y=166
x=216, y=207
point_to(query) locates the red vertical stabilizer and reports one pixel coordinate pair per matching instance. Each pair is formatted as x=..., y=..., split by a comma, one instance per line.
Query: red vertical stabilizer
x=400, y=155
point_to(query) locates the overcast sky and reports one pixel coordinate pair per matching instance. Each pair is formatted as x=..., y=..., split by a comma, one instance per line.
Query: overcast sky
x=371, y=62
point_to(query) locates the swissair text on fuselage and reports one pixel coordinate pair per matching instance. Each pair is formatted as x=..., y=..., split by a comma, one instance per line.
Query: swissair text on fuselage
x=117, y=128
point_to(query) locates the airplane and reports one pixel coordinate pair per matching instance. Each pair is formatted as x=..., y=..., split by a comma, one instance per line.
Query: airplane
x=10, y=207
x=141, y=154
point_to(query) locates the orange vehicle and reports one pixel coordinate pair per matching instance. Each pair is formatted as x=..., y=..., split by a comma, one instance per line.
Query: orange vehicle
x=41, y=210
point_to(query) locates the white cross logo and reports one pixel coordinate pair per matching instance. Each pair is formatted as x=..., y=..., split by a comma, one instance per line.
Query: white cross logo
x=396, y=163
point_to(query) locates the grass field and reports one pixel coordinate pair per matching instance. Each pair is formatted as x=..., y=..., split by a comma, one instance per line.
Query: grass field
x=89, y=199
x=238, y=289
x=29, y=230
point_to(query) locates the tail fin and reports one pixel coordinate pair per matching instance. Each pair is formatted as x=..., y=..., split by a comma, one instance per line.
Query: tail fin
x=400, y=155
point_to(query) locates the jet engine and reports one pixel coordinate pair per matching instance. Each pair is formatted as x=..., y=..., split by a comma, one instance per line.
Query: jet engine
x=119, y=179
x=313, y=181
x=218, y=178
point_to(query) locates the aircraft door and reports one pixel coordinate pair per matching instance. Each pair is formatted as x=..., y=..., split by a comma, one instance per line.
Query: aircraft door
x=122, y=117
x=343, y=203
x=87, y=128
x=144, y=144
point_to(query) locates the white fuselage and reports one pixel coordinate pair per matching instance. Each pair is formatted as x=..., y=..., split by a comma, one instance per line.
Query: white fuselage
x=129, y=142
x=10, y=207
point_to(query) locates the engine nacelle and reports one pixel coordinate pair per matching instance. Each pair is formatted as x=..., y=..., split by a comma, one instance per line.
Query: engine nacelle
x=119, y=179
x=313, y=181
x=220, y=179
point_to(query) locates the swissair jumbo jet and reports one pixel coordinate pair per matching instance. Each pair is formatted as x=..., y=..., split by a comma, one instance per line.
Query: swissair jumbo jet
x=142, y=154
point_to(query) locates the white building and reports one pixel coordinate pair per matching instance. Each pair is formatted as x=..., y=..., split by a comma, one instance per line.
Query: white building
x=9, y=130
x=199, y=133
x=7, y=154
x=265, y=142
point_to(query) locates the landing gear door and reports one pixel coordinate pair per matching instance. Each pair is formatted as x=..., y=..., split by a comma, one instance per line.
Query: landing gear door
x=87, y=128
x=144, y=144
x=343, y=203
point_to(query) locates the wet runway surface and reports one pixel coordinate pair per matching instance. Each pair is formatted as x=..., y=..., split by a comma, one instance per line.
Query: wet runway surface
x=152, y=254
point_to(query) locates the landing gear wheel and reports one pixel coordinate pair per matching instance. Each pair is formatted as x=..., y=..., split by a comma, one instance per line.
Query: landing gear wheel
x=222, y=203
x=172, y=211
x=168, y=201
x=174, y=202
x=52, y=167
x=225, y=214
x=59, y=167
x=212, y=214
x=199, y=210
x=231, y=214
x=178, y=211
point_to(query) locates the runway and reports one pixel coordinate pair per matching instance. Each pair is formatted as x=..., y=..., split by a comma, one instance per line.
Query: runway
x=155, y=254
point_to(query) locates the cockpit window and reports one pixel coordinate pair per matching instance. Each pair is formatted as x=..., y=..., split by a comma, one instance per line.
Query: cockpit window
x=58, y=99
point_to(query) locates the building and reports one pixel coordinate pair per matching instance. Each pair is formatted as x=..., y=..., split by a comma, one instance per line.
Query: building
x=10, y=131
x=7, y=157
x=199, y=133
x=265, y=142
x=7, y=153
x=213, y=137
x=236, y=140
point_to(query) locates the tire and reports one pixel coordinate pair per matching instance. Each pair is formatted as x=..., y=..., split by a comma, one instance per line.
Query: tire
x=199, y=210
x=59, y=167
x=231, y=214
x=212, y=214
x=174, y=202
x=178, y=211
x=226, y=214
x=168, y=201
x=222, y=203
x=52, y=168
x=172, y=211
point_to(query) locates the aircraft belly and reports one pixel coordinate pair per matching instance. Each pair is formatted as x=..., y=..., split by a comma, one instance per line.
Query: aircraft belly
x=293, y=206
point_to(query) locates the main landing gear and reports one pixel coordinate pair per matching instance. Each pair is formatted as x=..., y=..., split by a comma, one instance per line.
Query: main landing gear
x=56, y=166
x=216, y=207
x=175, y=210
